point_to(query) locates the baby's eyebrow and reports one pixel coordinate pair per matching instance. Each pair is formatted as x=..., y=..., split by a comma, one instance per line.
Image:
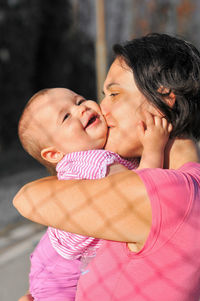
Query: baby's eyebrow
x=78, y=97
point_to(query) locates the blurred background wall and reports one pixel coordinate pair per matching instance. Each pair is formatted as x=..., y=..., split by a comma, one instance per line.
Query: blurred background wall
x=52, y=43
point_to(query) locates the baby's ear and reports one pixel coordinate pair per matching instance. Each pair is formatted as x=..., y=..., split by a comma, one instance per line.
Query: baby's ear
x=51, y=155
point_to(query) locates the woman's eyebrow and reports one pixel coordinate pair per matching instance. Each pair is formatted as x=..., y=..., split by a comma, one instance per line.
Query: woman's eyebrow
x=109, y=86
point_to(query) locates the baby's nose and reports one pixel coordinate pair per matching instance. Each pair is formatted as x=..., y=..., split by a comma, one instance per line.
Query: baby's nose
x=81, y=109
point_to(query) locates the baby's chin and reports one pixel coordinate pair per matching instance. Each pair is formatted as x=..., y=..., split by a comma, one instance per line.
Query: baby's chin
x=108, y=143
x=105, y=140
x=100, y=143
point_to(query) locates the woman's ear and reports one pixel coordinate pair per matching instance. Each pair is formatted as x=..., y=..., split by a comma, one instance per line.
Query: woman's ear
x=51, y=155
x=170, y=99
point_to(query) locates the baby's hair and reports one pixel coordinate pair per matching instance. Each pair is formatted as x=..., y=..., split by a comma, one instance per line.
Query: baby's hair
x=29, y=141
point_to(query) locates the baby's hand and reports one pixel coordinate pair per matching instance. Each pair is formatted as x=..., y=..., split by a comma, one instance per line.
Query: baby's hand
x=154, y=133
x=26, y=298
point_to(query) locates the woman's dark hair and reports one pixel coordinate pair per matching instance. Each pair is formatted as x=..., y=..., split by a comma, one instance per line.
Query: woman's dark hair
x=162, y=64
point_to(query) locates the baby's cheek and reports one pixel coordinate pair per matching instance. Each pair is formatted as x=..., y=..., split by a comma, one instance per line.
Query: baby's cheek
x=94, y=105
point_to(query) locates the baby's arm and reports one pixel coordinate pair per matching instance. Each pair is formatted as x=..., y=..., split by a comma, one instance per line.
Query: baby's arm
x=27, y=297
x=153, y=135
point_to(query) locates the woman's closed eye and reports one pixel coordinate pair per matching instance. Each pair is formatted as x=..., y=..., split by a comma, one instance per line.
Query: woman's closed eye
x=114, y=94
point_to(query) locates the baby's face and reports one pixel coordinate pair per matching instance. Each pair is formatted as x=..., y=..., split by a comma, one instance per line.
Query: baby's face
x=69, y=122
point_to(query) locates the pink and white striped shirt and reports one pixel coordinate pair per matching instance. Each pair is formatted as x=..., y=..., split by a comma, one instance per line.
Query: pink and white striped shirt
x=91, y=164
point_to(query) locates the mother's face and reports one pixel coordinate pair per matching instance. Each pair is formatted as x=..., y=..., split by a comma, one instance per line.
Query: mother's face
x=123, y=106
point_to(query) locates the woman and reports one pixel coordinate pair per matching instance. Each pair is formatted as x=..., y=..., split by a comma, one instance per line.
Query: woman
x=151, y=214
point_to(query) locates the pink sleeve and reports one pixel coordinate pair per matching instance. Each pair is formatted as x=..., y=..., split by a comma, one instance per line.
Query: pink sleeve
x=71, y=246
x=170, y=193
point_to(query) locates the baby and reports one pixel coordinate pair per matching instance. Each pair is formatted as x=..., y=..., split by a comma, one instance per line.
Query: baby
x=67, y=134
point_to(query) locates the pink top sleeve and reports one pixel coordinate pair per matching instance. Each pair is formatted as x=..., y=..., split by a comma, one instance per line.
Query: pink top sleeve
x=170, y=200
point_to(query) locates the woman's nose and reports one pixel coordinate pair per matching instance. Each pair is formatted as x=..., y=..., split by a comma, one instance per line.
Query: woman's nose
x=104, y=107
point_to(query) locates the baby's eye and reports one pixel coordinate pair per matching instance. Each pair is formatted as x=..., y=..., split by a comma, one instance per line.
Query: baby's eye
x=80, y=101
x=66, y=116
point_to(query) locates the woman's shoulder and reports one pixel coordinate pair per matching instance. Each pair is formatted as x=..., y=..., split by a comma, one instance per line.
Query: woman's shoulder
x=187, y=173
x=192, y=171
x=185, y=168
x=190, y=166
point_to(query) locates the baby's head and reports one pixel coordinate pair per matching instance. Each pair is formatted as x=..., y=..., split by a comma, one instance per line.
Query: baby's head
x=58, y=121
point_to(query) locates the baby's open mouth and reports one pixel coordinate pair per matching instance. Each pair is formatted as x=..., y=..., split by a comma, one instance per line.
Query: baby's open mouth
x=91, y=121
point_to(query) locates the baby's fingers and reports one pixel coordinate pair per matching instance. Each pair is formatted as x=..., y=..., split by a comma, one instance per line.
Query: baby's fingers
x=158, y=121
x=149, y=119
x=140, y=129
x=170, y=127
x=166, y=125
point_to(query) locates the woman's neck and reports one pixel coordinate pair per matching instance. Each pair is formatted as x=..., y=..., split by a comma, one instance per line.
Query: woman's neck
x=179, y=152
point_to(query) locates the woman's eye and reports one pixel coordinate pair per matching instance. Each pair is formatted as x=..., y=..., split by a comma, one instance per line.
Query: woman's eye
x=66, y=116
x=113, y=94
x=80, y=101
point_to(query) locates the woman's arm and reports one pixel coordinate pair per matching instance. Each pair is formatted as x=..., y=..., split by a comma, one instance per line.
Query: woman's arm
x=115, y=208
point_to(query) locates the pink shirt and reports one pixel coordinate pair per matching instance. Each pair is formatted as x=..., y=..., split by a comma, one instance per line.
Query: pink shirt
x=91, y=164
x=168, y=266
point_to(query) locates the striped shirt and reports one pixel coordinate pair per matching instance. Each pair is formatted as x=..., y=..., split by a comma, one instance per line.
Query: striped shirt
x=92, y=164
